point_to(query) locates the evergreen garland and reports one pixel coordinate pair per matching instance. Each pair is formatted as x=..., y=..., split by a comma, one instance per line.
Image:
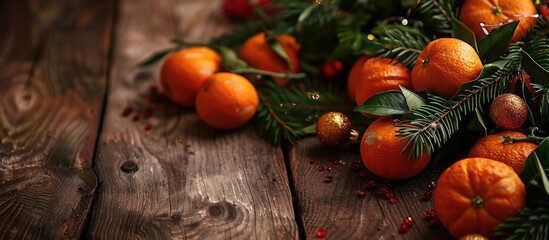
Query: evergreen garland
x=530, y=224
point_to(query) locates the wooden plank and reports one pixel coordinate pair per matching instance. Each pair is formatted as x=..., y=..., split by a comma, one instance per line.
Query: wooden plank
x=53, y=60
x=180, y=179
x=337, y=208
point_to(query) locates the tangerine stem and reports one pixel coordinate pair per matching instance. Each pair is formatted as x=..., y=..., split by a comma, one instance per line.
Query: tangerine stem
x=477, y=202
x=535, y=139
x=272, y=74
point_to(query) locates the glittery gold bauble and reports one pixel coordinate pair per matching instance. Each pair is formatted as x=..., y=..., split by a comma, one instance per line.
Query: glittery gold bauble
x=334, y=129
x=508, y=111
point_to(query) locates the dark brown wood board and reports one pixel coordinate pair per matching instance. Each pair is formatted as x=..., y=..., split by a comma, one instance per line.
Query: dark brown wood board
x=53, y=68
x=180, y=178
x=337, y=208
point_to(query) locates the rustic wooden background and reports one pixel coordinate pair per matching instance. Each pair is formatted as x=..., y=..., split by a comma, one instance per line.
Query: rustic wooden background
x=71, y=166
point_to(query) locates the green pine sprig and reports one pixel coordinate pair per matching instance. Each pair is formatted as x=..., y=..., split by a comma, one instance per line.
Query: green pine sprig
x=401, y=43
x=530, y=224
x=437, y=14
x=432, y=125
x=288, y=114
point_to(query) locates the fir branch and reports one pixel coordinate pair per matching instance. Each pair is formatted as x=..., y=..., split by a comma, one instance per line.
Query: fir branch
x=310, y=14
x=437, y=14
x=401, y=43
x=530, y=224
x=540, y=29
x=432, y=125
x=352, y=38
x=239, y=35
x=538, y=49
x=286, y=114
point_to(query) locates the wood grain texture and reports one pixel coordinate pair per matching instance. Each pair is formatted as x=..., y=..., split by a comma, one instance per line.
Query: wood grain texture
x=337, y=208
x=53, y=57
x=181, y=179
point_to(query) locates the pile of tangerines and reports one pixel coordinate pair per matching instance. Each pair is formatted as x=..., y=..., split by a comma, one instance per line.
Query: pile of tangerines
x=473, y=196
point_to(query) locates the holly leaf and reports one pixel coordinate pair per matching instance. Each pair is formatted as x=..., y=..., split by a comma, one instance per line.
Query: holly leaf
x=530, y=167
x=495, y=44
x=413, y=100
x=385, y=103
x=541, y=173
x=461, y=31
x=537, y=72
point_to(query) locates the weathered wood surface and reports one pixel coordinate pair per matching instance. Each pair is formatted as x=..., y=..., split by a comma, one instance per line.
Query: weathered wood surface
x=181, y=179
x=53, y=68
x=337, y=208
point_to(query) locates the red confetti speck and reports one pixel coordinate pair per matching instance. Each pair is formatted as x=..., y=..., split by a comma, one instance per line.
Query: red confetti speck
x=403, y=228
x=429, y=214
x=321, y=169
x=336, y=161
x=389, y=195
x=321, y=233
x=153, y=89
x=312, y=161
x=360, y=192
x=409, y=221
x=136, y=117
x=382, y=191
x=427, y=195
x=370, y=184
x=328, y=179
x=127, y=111
x=148, y=127
x=148, y=112
x=393, y=200
x=362, y=174
x=355, y=166
x=329, y=168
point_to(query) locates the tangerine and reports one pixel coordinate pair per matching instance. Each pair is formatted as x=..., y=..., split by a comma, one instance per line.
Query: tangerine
x=183, y=72
x=497, y=147
x=381, y=152
x=226, y=101
x=444, y=65
x=257, y=52
x=475, y=195
x=381, y=75
x=493, y=12
x=355, y=75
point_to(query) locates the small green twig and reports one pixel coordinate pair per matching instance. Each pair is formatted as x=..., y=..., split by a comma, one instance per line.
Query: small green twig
x=510, y=140
x=272, y=74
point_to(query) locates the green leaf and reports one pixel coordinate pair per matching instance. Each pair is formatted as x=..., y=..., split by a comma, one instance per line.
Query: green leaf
x=304, y=15
x=537, y=73
x=279, y=50
x=541, y=173
x=413, y=100
x=156, y=57
x=530, y=169
x=477, y=123
x=230, y=59
x=493, y=46
x=460, y=31
x=385, y=103
x=488, y=70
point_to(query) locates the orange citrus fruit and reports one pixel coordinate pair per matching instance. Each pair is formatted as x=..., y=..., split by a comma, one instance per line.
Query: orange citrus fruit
x=226, y=101
x=381, y=152
x=494, y=146
x=185, y=71
x=475, y=12
x=381, y=75
x=258, y=54
x=475, y=195
x=355, y=75
x=444, y=65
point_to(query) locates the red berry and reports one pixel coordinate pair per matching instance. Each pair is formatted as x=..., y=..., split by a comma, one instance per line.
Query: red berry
x=321, y=233
x=403, y=229
x=328, y=179
x=544, y=9
x=244, y=9
x=393, y=200
x=331, y=71
x=409, y=221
